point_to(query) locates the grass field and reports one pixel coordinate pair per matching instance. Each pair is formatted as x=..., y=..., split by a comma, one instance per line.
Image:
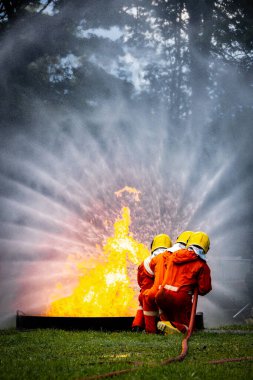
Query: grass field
x=58, y=354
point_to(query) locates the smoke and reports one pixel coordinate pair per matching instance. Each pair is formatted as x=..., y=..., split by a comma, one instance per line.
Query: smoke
x=61, y=166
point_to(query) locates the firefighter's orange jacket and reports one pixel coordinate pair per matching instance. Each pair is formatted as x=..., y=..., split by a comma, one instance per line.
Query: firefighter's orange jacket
x=181, y=269
x=185, y=270
x=156, y=268
x=148, y=271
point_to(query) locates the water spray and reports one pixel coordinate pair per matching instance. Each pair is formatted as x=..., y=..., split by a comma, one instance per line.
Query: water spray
x=241, y=310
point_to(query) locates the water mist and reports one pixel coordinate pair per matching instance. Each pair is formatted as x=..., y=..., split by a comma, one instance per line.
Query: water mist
x=57, y=196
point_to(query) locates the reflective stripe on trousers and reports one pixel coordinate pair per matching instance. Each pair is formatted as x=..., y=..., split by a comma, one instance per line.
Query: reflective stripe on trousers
x=150, y=313
x=170, y=287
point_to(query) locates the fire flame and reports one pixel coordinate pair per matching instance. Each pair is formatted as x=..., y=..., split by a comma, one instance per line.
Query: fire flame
x=130, y=190
x=106, y=289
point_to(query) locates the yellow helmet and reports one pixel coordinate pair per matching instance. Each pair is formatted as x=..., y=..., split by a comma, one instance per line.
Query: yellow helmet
x=161, y=241
x=184, y=237
x=201, y=239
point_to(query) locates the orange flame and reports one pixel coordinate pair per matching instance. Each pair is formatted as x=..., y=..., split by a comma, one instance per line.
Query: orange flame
x=106, y=289
x=130, y=190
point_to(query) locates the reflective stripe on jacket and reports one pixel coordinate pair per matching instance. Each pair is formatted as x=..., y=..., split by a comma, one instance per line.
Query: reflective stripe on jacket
x=145, y=280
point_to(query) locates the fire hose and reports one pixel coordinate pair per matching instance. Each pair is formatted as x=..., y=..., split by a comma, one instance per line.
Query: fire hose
x=188, y=335
x=178, y=358
x=167, y=361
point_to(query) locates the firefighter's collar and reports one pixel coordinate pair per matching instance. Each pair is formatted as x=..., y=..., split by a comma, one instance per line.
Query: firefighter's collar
x=158, y=251
x=199, y=252
x=176, y=247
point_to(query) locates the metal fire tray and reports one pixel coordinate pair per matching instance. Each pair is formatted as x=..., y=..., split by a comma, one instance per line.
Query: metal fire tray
x=73, y=323
x=26, y=322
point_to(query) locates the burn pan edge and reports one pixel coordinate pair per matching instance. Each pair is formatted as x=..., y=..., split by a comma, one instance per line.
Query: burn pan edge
x=73, y=323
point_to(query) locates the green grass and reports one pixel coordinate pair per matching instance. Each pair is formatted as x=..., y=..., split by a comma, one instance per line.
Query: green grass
x=58, y=354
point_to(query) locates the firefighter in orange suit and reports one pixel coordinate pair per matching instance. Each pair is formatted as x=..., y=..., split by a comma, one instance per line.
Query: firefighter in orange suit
x=185, y=270
x=156, y=268
x=145, y=278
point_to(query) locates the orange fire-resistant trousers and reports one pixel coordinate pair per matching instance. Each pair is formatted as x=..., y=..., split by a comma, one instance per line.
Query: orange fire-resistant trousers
x=175, y=307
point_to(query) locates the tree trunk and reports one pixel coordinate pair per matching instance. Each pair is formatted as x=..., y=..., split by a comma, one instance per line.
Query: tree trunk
x=200, y=33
